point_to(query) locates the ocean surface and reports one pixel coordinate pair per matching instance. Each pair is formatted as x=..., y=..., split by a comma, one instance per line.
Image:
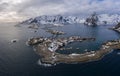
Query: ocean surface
x=18, y=59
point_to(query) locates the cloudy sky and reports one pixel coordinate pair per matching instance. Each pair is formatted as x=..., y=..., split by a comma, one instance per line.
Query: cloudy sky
x=17, y=10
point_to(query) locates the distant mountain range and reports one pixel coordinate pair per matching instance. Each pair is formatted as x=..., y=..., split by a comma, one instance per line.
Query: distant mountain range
x=59, y=19
x=109, y=19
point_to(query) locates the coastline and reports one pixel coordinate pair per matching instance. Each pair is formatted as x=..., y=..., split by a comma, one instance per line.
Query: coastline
x=49, y=56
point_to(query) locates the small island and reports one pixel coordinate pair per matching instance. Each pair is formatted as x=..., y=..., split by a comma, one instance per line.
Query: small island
x=46, y=48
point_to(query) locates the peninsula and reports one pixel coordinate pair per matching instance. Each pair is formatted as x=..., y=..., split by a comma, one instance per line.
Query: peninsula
x=46, y=49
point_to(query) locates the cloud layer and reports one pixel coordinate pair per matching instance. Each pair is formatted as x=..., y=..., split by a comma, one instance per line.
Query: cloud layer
x=15, y=10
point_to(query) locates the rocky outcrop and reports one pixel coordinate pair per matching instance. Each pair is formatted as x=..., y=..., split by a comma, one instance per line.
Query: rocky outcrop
x=92, y=20
x=117, y=27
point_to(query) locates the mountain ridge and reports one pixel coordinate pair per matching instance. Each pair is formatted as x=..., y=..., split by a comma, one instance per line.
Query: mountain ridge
x=59, y=19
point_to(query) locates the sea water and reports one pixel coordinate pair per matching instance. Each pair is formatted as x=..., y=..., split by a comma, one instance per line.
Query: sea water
x=18, y=59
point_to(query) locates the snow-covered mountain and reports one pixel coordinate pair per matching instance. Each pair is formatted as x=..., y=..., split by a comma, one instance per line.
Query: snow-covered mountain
x=59, y=19
x=92, y=20
x=109, y=19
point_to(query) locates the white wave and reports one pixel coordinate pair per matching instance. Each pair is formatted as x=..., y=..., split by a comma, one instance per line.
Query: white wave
x=44, y=64
x=27, y=44
x=118, y=53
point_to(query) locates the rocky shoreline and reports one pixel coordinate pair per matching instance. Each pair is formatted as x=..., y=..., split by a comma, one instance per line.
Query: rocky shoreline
x=116, y=28
x=46, y=49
